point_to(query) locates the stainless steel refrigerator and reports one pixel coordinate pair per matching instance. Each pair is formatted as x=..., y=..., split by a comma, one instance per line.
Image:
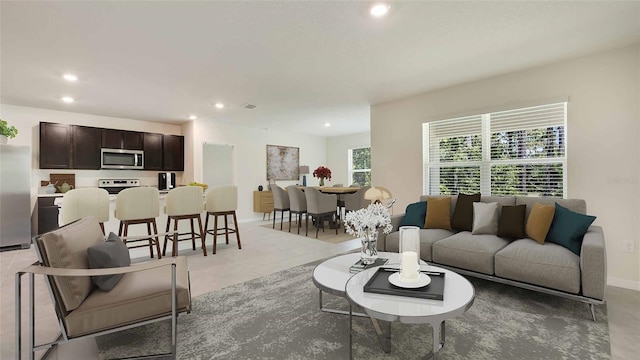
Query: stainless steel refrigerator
x=15, y=197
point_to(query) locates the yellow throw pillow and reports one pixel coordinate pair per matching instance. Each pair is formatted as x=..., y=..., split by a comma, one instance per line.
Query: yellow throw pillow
x=438, y=213
x=539, y=222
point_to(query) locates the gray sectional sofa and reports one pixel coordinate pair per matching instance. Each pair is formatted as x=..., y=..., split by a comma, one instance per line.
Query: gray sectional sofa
x=548, y=268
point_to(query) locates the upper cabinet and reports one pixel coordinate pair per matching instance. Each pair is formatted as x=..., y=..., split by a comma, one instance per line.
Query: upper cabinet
x=55, y=146
x=173, y=152
x=86, y=147
x=65, y=146
x=152, y=146
x=122, y=139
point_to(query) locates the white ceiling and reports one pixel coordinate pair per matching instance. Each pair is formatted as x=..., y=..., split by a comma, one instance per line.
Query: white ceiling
x=302, y=63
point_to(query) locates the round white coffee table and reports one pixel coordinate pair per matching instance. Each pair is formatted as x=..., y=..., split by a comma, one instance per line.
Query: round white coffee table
x=332, y=275
x=458, y=297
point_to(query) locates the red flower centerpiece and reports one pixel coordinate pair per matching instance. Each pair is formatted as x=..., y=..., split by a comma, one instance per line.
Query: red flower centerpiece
x=322, y=173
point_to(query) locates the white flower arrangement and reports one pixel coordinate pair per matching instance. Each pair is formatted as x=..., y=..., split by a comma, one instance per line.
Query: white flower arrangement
x=372, y=218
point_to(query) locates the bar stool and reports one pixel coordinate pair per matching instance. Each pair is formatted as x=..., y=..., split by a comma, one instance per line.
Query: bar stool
x=139, y=205
x=79, y=203
x=222, y=201
x=184, y=203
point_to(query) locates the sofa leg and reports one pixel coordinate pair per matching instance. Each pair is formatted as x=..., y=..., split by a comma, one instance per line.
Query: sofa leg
x=593, y=311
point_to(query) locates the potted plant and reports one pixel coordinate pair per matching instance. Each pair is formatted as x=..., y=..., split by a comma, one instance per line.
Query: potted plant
x=7, y=132
x=366, y=223
x=322, y=173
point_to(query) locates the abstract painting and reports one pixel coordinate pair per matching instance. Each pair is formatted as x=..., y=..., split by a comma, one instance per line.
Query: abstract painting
x=283, y=162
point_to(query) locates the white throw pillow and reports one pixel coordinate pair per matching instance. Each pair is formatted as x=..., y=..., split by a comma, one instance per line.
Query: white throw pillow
x=485, y=218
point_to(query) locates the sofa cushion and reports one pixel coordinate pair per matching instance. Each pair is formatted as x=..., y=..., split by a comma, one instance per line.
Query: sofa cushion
x=568, y=228
x=66, y=247
x=427, y=238
x=415, y=214
x=485, y=218
x=462, y=218
x=138, y=295
x=111, y=253
x=511, y=224
x=539, y=222
x=577, y=205
x=438, y=213
x=548, y=265
x=470, y=252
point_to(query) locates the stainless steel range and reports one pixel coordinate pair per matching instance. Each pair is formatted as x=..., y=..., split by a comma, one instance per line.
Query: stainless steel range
x=114, y=186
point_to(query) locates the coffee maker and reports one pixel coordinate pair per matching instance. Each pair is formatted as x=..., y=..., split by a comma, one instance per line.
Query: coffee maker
x=166, y=180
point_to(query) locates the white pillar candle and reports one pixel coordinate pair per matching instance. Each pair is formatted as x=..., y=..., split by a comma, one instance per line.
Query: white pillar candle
x=409, y=266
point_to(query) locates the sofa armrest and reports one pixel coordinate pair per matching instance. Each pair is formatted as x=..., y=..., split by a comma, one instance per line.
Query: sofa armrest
x=396, y=220
x=593, y=263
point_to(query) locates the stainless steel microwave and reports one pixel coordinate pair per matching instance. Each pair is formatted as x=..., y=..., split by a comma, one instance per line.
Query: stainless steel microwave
x=122, y=159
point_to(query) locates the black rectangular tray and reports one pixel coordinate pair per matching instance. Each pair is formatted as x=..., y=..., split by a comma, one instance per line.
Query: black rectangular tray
x=379, y=283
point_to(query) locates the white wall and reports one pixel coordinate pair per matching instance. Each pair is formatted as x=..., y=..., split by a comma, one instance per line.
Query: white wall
x=603, y=131
x=338, y=153
x=250, y=156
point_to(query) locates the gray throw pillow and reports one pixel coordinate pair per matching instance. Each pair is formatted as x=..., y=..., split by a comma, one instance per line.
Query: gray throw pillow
x=485, y=218
x=111, y=253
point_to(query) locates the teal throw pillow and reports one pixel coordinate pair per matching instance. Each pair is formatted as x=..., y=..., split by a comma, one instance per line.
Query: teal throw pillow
x=568, y=228
x=415, y=214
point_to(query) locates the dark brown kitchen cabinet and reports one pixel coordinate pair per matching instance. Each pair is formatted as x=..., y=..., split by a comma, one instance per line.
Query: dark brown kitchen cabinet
x=55, y=146
x=173, y=150
x=47, y=214
x=152, y=146
x=86, y=147
x=122, y=139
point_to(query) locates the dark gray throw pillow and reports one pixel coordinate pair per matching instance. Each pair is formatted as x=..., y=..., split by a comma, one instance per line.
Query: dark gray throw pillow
x=111, y=253
x=463, y=213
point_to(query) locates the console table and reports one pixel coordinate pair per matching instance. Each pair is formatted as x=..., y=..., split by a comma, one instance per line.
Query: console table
x=263, y=202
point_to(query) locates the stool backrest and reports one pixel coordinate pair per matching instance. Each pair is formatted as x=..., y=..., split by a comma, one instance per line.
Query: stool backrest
x=184, y=200
x=223, y=198
x=83, y=202
x=138, y=203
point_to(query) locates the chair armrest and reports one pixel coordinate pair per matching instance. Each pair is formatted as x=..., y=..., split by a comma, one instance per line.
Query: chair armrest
x=593, y=263
x=46, y=270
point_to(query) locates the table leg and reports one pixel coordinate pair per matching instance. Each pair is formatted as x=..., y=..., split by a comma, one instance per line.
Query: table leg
x=438, y=331
x=350, y=332
x=336, y=311
x=384, y=334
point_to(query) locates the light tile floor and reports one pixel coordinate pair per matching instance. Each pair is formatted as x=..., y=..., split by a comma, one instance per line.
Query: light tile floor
x=264, y=251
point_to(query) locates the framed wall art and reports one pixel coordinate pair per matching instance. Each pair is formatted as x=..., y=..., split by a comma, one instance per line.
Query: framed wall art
x=283, y=162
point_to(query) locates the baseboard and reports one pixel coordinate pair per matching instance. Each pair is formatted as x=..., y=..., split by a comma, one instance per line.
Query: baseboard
x=627, y=284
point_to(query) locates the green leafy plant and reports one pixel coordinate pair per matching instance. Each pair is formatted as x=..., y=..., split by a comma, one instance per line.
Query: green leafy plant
x=6, y=130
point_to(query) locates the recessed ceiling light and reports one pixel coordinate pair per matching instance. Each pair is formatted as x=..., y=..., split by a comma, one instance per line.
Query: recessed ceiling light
x=192, y=117
x=68, y=99
x=379, y=10
x=70, y=77
x=219, y=105
x=327, y=124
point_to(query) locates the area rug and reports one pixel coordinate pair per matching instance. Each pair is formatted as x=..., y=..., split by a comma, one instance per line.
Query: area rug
x=277, y=317
x=328, y=235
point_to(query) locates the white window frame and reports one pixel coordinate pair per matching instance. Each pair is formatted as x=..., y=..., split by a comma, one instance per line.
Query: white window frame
x=351, y=170
x=486, y=162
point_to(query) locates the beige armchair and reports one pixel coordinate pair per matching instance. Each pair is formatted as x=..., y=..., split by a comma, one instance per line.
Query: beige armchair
x=148, y=292
x=319, y=207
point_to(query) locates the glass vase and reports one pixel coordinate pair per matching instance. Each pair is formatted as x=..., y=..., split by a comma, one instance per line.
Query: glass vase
x=369, y=250
x=321, y=182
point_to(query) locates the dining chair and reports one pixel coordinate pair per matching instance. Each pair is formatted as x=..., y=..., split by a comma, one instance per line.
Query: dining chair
x=83, y=202
x=135, y=206
x=280, y=203
x=356, y=201
x=184, y=203
x=222, y=201
x=319, y=207
x=298, y=205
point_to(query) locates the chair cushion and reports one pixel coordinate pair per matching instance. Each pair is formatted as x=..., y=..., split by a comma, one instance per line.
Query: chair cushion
x=438, y=213
x=568, y=228
x=539, y=222
x=111, y=253
x=66, y=247
x=427, y=238
x=463, y=214
x=137, y=296
x=548, y=265
x=485, y=218
x=415, y=214
x=511, y=224
x=470, y=252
